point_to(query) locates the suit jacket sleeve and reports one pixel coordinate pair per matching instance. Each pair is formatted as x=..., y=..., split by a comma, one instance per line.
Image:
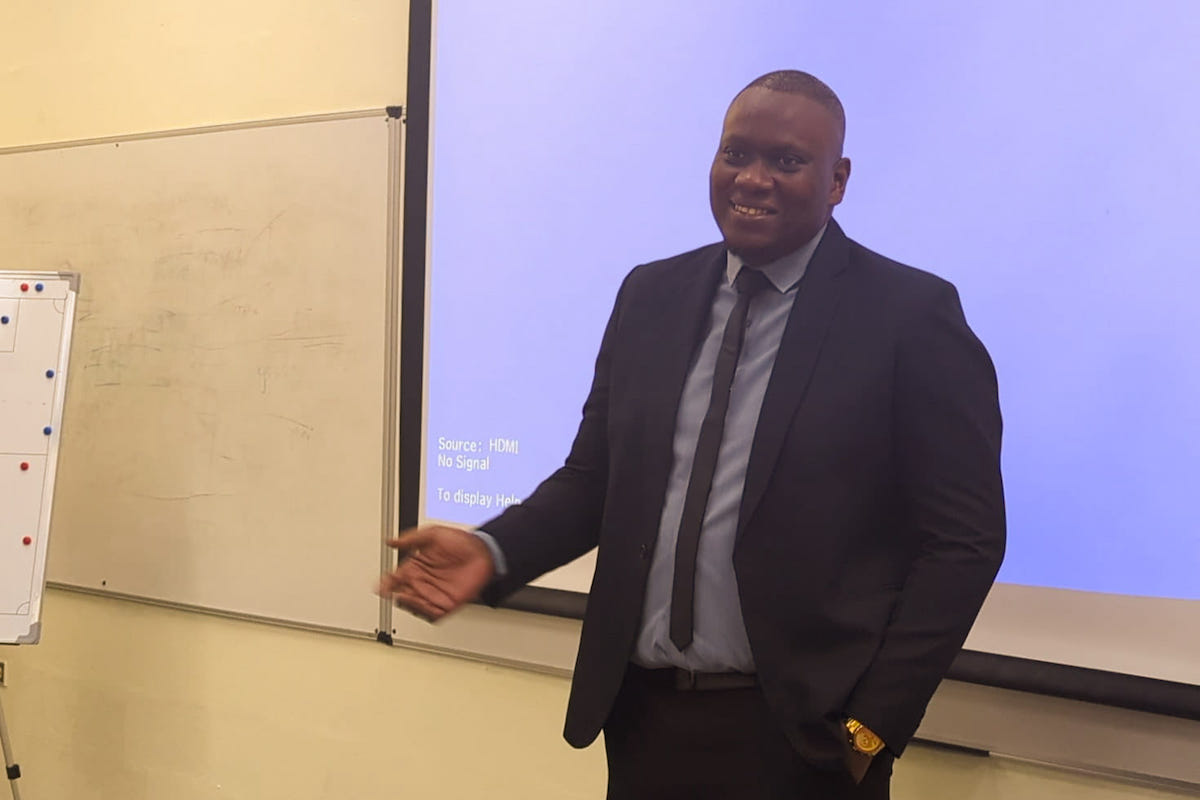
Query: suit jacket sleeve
x=947, y=427
x=561, y=520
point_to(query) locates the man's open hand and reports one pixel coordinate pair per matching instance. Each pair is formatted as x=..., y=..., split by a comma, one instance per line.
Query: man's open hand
x=440, y=569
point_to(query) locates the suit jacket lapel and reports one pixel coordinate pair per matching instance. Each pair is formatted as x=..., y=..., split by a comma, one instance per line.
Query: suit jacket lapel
x=676, y=314
x=816, y=301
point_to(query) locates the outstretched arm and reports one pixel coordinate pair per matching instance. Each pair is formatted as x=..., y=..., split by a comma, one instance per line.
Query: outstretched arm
x=441, y=568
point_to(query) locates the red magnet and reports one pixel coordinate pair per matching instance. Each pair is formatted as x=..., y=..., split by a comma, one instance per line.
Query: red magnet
x=24, y=287
x=24, y=466
x=27, y=540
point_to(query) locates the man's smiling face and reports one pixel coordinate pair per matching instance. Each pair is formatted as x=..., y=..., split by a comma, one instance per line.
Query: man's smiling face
x=777, y=174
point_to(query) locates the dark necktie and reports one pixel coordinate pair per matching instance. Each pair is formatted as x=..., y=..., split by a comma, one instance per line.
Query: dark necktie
x=748, y=283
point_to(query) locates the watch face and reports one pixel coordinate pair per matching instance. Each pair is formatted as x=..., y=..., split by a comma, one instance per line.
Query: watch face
x=867, y=742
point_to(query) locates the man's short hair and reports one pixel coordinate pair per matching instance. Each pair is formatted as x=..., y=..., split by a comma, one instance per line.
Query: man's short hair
x=793, y=81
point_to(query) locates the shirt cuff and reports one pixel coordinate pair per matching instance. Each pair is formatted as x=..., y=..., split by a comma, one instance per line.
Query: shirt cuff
x=497, y=554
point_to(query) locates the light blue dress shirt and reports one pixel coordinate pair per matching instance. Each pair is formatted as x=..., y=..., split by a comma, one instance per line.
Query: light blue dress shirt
x=719, y=642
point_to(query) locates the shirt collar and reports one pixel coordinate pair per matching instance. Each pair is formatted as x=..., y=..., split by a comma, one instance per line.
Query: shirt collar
x=784, y=273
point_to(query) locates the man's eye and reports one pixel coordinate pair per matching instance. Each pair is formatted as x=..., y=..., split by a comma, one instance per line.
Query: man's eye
x=733, y=155
x=790, y=163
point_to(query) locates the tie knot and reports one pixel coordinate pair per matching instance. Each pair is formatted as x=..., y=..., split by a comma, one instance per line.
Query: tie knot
x=750, y=282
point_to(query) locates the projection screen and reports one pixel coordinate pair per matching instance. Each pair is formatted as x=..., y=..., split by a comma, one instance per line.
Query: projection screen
x=1042, y=157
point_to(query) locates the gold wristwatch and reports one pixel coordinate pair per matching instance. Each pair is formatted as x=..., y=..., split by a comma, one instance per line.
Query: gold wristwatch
x=862, y=738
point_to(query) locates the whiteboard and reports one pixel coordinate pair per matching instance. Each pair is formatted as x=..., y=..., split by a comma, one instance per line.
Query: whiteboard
x=226, y=409
x=36, y=312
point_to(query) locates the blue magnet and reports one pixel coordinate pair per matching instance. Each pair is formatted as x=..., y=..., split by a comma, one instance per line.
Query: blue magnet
x=3, y=320
x=38, y=287
x=49, y=373
x=47, y=430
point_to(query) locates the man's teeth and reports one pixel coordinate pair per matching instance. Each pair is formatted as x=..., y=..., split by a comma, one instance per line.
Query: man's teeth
x=750, y=211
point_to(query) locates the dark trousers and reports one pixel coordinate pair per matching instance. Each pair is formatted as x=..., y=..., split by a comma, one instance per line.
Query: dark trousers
x=664, y=743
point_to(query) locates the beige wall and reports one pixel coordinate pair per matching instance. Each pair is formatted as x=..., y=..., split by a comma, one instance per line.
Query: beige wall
x=74, y=69
x=122, y=701
x=127, y=701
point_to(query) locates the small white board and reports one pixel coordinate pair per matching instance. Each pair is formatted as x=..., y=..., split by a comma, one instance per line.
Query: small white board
x=37, y=310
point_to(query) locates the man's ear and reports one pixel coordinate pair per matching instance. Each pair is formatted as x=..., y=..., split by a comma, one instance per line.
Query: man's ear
x=841, y=176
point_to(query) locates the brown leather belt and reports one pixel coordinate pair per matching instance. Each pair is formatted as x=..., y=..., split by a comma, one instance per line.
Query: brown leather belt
x=687, y=681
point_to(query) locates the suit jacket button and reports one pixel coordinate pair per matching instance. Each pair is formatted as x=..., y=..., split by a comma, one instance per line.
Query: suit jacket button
x=645, y=550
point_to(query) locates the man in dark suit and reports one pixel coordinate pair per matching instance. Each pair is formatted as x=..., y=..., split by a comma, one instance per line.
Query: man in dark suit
x=789, y=461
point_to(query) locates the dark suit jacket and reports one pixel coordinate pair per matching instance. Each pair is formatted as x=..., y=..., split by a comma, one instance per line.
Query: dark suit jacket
x=872, y=522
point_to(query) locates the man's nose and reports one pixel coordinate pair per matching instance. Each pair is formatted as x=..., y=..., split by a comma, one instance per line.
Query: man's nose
x=753, y=176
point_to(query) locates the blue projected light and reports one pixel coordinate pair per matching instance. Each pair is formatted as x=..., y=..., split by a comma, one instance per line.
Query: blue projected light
x=1040, y=156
